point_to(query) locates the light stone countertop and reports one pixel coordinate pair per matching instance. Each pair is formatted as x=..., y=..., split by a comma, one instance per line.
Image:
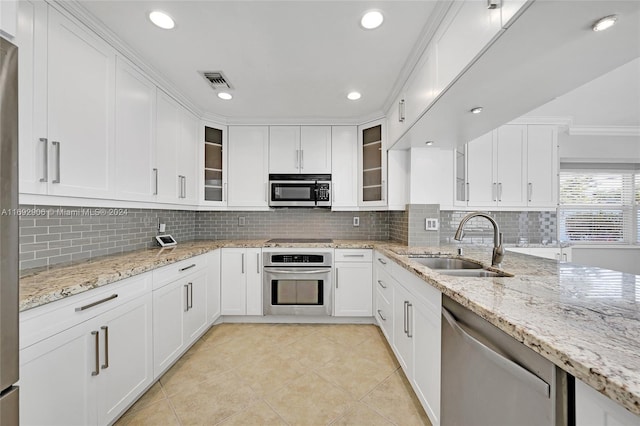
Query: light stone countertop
x=584, y=319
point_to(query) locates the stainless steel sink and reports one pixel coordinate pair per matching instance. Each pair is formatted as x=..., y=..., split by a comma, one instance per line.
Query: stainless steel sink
x=446, y=263
x=480, y=273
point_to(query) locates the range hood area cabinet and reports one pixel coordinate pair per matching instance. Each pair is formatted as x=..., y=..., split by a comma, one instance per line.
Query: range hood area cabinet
x=300, y=149
x=512, y=166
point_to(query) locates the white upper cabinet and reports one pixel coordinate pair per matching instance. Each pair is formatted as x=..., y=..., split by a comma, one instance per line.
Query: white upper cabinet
x=508, y=10
x=421, y=87
x=480, y=154
x=248, y=166
x=8, y=18
x=372, y=164
x=214, y=159
x=542, y=166
x=187, y=149
x=135, y=134
x=510, y=166
x=80, y=110
x=168, y=134
x=300, y=149
x=344, y=176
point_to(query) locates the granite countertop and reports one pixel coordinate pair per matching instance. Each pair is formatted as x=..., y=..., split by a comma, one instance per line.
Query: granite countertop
x=584, y=319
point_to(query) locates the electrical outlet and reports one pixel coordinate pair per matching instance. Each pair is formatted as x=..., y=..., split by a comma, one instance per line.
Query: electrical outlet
x=431, y=224
x=241, y=221
x=162, y=227
x=356, y=221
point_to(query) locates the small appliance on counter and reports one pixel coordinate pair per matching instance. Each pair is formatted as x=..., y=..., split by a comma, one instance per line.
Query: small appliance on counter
x=299, y=190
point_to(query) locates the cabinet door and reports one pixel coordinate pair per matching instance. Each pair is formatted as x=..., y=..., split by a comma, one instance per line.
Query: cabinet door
x=135, y=134
x=426, y=368
x=8, y=17
x=353, y=295
x=511, y=165
x=214, y=163
x=595, y=409
x=213, y=286
x=542, y=166
x=344, y=173
x=187, y=153
x=254, y=281
x=31, y=39
x=80, y=110
x=284, y=149
x=248, y=157
x=167, y=139
x=315, y=149
x=373, y=164
x=402, y=341
x=195, y=317
x=481, y=188
x=233, y=281
x=168, y=306
x=421, y=87
x=126, y=367
x=56, y=382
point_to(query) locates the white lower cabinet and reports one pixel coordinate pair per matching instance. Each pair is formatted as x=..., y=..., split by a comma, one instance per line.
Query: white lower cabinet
x=90, y=372
x=213, y=286
x=595, y=409
x=241, y=281
x=353, y=295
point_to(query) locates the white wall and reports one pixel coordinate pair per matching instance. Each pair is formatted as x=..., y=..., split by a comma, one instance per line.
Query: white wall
x=624, y=149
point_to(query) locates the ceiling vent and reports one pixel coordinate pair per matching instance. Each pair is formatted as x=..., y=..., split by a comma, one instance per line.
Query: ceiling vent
x=216, y=79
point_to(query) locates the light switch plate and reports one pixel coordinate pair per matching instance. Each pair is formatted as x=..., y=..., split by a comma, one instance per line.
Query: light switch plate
x=356, y=221
x=241, y=221
x=431, y=224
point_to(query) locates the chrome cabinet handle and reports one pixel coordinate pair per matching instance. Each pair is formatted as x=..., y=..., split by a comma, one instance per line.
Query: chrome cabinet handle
x=401, y=111
x=530, y=190
x=57, y=145
x=193, y=265
x=380, y=315
x=224, y=192
x=243, y=263
x=106, y=347
x=301, y=159
x=467, y=194
x=353, y=255
x=494, y=191
x=296, y=272
x=190, y=295
x=45, y=169
x=409, y=318
x=155, y=185
x=336, y=278
x=184, y=184
x=381, y=284
x=382, y=261
x=258, y=263
x=97, y=337
x=384, y=191
x=500, y=191
x=91, y=305
x=520, y=372
x=186, y=297
x=406, y=331
x=297, y=159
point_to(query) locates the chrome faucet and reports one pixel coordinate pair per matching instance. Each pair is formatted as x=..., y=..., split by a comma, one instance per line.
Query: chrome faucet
x=498, y=250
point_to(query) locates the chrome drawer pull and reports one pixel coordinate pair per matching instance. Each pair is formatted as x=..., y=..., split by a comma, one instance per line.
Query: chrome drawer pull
x=97, y=370
x=106, y=347
x=353, y=255
x=187, y=267
x=382, y=261
x=91, y=305
x=380, y=315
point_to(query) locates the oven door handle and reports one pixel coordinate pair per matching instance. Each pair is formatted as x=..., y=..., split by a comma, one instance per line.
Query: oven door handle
x=297, y=271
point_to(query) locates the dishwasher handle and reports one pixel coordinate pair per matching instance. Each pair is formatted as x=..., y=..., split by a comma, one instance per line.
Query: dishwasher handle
x=515, y=369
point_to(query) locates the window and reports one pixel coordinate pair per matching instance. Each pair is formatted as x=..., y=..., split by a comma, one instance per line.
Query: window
x=598, y=206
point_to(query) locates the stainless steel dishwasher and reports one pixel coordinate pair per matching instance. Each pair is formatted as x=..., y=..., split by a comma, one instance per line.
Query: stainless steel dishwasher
x=489, y=378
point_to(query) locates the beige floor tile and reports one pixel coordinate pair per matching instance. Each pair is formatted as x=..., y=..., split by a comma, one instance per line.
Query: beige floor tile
x=394, y=399
x=158, y=413
x=377, y=350
x=286, y=334
x=214, y=400
x=194, y=367
x=310, y=400
x=356, y=375
x=349, y=335
x=269, y=372
x=360, y=414
x=257, y=414
x=154, y=394
x=236, y=352
x=312, y=351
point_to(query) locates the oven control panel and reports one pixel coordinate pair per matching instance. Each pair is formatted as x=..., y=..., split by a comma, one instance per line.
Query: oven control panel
x=301, y=259
x=297, y=258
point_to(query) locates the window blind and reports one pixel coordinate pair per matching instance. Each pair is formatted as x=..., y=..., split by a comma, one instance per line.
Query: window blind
x=597, y=206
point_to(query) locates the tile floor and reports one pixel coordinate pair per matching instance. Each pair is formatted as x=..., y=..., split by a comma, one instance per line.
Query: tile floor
x=282, y=374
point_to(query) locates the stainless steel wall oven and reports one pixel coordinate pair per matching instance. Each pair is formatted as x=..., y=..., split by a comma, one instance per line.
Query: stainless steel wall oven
x=297, y=283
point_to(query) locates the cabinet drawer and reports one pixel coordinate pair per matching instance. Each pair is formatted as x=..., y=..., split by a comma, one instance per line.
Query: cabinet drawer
x=353, y=255
x=382, y=261
x=383, y=282
x=42, y=322
x=384, y=315
x=165, y=275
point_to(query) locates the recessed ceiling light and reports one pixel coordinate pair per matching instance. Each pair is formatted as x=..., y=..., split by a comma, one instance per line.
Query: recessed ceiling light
x=372, y=19
x=476, y=110
x=162, y=20
x=354, y=96
x=226, y=96
x=429, y=143
x=604, y=23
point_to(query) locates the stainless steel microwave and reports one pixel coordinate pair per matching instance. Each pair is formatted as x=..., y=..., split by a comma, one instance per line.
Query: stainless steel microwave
x=300, y=190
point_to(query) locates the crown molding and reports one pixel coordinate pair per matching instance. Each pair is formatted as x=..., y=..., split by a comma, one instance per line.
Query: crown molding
x=562, y=122
x=79, y=12
x=604, y=131
x=324, y=121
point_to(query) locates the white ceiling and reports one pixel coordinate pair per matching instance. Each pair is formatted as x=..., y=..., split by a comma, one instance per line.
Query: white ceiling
x=286, y=59
x=612, y=99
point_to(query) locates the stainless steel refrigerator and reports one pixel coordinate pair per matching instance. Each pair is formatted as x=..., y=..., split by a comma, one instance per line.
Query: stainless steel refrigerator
x=8, y=233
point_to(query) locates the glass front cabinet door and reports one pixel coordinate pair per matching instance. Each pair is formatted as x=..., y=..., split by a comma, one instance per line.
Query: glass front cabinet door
x=215, y=173
x=373, y=164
